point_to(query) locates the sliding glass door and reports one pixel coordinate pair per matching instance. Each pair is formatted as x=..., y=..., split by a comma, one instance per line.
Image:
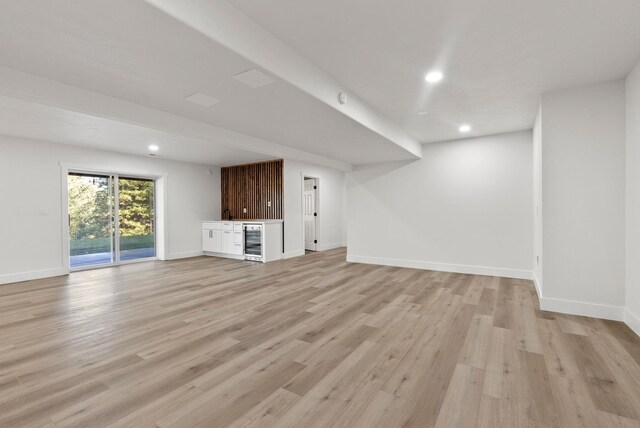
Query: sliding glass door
x=90, y=220
x=111, y=219
x=136, y=208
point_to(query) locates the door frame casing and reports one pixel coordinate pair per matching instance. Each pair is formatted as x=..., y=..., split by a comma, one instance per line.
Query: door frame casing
x=317, y=209
x=160, y=196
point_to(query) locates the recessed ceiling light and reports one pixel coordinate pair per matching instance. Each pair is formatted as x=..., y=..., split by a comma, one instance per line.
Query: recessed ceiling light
x=203, y=100
x=153, y=148
x=423, y=113
x=433, y=77
x=464, y=128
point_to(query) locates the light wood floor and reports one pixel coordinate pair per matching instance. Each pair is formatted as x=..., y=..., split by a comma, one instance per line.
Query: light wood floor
x=311, y=341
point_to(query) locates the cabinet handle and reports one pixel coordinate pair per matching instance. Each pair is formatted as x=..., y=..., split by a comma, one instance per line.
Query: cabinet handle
x=211, y=234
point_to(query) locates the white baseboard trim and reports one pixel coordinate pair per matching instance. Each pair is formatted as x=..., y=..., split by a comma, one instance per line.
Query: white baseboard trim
x=632, y=320
x=184, y=255
x=28, y=276
x=573, y=307
x=325, y=247
x=443, y=267
x=536, y=282
x=292, y=254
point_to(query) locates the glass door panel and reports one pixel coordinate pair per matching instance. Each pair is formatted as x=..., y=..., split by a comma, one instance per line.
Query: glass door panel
x=136, y=213
x=90, y=220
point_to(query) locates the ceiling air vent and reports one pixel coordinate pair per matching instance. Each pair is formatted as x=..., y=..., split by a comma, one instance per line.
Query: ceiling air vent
x=202, y=99
x=254, y=78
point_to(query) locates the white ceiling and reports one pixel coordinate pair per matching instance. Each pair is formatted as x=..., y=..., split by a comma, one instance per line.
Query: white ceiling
x=134, y=52
x=46, y=123
x=498, y=56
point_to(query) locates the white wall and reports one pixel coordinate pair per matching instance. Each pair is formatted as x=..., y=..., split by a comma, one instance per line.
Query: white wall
x=632, y=314
x=583, y=206
x=330, y=226
x=537, y=202
x=466, y=206
x=30, y=178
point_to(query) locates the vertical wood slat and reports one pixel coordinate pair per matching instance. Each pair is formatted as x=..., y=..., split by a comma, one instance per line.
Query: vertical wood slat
x=252, y=186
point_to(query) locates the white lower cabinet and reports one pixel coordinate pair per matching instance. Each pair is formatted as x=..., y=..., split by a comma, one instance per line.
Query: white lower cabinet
x=238, y=248
x=217, y=241
x=222, y=238
x=226, y=239
x=207, y=242
x=211, y=240
x=227, y=242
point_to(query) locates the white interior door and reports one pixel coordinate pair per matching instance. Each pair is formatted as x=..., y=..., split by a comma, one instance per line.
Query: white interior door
x=309, y=214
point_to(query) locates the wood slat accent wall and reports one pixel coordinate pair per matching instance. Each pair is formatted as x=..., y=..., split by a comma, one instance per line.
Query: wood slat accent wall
x=252, y=186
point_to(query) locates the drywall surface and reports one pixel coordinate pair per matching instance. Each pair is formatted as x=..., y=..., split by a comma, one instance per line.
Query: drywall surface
x=537, y=202
x=330, y=225
x=583, y=199
x=31, y=179
x=632, y=315
x=466, y=206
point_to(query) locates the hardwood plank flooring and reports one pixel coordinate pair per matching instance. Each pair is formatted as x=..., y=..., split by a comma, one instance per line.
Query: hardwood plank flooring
x=311, y=341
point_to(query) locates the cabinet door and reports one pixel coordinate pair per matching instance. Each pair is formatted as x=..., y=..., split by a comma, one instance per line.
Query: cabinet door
x=207, y=240
x=216, y=241
x=227, y=242
x=238, y=247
